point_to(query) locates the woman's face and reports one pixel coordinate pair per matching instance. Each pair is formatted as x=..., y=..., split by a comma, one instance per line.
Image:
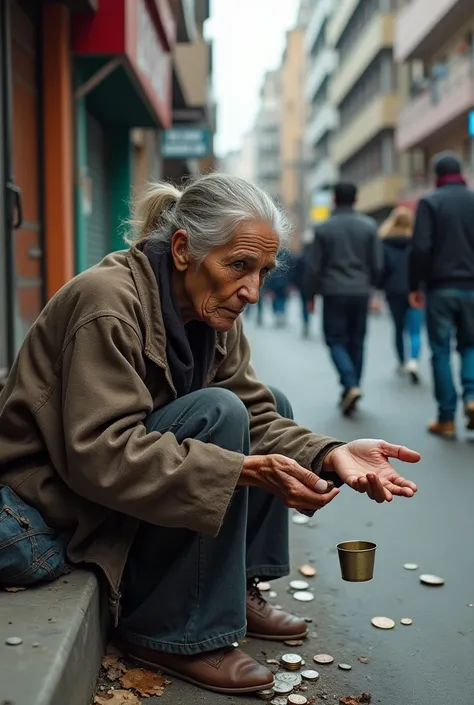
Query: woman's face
x=229, y=278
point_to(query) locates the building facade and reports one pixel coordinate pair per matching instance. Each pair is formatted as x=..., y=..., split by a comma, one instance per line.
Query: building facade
x=434, y=42
x=267, y=136
x=364, y=89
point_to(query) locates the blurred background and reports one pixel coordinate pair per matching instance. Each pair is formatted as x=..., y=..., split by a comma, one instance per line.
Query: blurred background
x=99, y=96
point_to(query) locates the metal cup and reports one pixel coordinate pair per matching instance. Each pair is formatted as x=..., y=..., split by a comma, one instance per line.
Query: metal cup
x=357, y=560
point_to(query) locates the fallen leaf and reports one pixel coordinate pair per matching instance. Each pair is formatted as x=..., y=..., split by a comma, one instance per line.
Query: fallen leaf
x=349, y=701
x=117, y=697
x=110, y=661
x=143, y=681
x=363, y=659
x=15, y=589
x=113, y=674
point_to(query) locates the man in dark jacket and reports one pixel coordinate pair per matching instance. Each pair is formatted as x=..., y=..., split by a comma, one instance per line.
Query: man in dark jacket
x=344, y=264
x=442, y=265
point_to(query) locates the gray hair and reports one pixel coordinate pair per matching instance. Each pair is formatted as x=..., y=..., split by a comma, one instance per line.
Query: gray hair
x=209, y=209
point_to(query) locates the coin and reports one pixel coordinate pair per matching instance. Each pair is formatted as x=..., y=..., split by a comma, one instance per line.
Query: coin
x=264, y=587
x=266, y=694
x=308, y=571
x=13, y=641
x=383, y=622
x=410, y=566
x=282, y=688
x=279, y=701
x=273, y=662
x=431, y=580
x=299, y=585
x=299, y=519
x=293, y=679
x=294, y=642
x=272, y=594
x=291, y=661
x=344, y=666
x=296, y=699
x=323, y=659
x=303, y=596
x=406, y=621
x=310, y=675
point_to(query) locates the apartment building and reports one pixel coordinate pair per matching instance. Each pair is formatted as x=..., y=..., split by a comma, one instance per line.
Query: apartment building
x=434, y=41
x=364, y=89
x=267, y=135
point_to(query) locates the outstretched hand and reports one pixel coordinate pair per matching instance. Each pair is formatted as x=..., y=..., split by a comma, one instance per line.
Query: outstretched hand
x=364, y=465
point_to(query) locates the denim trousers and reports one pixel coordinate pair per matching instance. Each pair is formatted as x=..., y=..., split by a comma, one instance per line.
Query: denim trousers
x=450, y=313
x=407, y=322
x=185, y=592
x=345, y=325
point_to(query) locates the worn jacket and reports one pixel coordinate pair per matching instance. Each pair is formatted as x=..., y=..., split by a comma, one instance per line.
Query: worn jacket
x=345, y=257
x=396, y=249
x=72, y=437
x=442, y=253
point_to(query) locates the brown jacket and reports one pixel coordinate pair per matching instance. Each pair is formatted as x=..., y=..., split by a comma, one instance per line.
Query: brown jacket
x=72, y=436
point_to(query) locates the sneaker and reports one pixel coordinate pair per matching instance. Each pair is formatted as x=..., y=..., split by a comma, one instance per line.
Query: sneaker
x=443, y=429
x=469, y=412
x=350, y=400
x=411, y=368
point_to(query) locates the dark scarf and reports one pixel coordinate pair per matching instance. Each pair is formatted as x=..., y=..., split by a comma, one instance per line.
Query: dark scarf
x=189, y=348
x=450, y=179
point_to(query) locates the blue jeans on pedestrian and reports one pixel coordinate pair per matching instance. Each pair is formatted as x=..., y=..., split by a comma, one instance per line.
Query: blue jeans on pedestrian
x=185, y=592
x=345, y=325
x=304, y=308
x=450, y=312
x=406, y=320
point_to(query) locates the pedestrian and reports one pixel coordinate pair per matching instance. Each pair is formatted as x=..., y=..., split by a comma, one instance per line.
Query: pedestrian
x=297, y=279
x=344, y=266
x=396, y=233
x=132, y=422
x=278, y=286
x=442, y=268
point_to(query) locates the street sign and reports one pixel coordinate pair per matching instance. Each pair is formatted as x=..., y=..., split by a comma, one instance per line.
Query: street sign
x=471, y=123
x=186, y=143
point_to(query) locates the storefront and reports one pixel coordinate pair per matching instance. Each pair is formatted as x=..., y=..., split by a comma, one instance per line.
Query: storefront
x=122, y=81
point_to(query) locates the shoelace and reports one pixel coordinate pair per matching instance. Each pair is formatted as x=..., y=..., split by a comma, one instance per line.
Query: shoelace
x=255, y=594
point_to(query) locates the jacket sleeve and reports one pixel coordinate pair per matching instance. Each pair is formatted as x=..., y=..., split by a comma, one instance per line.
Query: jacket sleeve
x=269, y=432
x=112, y=460
x=314, y=266
x=421, y=246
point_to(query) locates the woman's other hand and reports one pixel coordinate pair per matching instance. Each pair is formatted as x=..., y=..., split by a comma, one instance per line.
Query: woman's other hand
x=297, y=487
x=364, y=465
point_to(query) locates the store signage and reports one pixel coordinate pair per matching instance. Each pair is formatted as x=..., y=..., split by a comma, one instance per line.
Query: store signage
x=470, y=123
x=186, y=143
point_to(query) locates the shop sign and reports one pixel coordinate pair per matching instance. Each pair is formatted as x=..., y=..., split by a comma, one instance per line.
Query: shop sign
x=186, y=143
x=470, y=123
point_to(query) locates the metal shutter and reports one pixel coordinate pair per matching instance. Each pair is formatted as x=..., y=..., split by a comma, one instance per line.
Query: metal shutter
x=98, y=221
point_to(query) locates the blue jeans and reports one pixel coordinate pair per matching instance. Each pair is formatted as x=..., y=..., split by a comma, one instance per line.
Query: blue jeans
x=345, y=325
x=406, y=320
x=451, y=312
x=304, y=308
x=184, y=592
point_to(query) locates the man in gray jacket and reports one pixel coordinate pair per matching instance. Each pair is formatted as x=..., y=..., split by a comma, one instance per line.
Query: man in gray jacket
x=344, y=264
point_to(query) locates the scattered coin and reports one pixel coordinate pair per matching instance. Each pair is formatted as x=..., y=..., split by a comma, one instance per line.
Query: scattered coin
x=296, y=699
x=323, y=658
x=406, y=621
x=299, y=585
x=410, y=566
x=383, y=622
x=431, y=579
x=14, y=641
x=308, y=571
x=303, y=596
x=293, y=679
x=279, y=701
x=35, y=644
x=299, y=519
x=291, y=661
x=344, y=666
x=266, y=694
x=272, y=594
x=278, y=607
x=310, y=675
x=264, y=587
x=273, y=662
x=294, y=642
x=282, y=688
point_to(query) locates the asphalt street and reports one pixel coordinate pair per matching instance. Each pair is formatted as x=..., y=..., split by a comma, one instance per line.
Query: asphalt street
x=431, y=661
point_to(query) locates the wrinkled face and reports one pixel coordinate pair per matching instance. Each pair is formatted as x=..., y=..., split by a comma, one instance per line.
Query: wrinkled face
x=218, y=290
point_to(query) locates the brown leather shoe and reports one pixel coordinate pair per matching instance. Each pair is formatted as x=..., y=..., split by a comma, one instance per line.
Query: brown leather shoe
x=266, y=622
x=469, y=412
x=227, y=670
x=443, y=429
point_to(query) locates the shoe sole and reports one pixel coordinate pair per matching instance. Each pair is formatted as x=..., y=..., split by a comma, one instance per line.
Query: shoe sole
x=414, y=377
x=349, y=405
x=274, y=637
x=205, y=686
x=445, y=435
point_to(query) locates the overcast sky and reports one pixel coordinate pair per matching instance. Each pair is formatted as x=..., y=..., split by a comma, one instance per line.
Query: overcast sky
x=248, y=39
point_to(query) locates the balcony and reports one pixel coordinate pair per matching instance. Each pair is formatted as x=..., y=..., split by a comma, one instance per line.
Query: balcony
x=323, y=65
x=322, y=12
x=324, y=120
x=377, y=35
x=445, y=103
x=192, y=63
x=424, y=25
x=381, y=192
x=379, y=115
x=324, y=174
x=340, y=20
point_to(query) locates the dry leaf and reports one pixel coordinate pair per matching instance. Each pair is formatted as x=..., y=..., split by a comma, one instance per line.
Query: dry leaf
x=110, y=661
x=15, y=589
x=349, y=701
x=113, y=674
x=363, y=659
x=144, y=682
x=117, y=697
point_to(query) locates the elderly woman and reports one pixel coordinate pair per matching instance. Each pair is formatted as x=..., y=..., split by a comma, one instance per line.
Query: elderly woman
x=134, y=431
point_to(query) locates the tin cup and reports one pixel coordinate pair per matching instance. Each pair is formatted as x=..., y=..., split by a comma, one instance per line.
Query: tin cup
x=356, y=559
